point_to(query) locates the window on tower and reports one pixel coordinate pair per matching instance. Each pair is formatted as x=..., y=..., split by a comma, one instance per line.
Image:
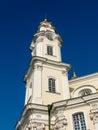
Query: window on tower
x=79, y=121
x=52, y=85
x=49, y=50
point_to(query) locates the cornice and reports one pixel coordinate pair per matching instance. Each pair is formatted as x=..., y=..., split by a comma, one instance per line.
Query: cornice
x=48, y=61
x=43, y=33
x=32, y=108
x=60, y=105
x=84, y=78
x=42, y=60
x=74, y=102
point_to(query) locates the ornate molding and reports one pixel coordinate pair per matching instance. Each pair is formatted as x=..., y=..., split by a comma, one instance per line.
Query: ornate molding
x=59, y=113
x=94, y=117
x=64, y=72
x=38, y=67
x=60, y=125
x=60, y=121
x=94, y=107
x=30, y=126
x=84, y=78
x=94, y=112
x=35, y=126
x=39, y=126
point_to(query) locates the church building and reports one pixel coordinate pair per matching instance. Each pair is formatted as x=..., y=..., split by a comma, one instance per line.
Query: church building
x=52, y=101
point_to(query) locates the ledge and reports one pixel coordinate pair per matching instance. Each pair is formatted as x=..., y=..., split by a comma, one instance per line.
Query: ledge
x=51, y=55
x=53, y=92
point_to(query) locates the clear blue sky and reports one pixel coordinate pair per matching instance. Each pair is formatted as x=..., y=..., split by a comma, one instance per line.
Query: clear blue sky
x=75, y=21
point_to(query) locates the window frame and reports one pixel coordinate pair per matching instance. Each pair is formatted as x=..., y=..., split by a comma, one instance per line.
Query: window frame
x=52, y=85
x=83, y=87
x=80, y=122
x=85, y=92
x=50, y=50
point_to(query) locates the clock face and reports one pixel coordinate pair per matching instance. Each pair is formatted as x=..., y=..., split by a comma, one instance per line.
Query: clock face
x=85, y=92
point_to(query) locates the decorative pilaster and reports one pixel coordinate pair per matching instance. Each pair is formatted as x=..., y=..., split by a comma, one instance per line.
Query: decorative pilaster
x=37, y=90
x=27, y=93
x=66, y=93
x=39, y=49
x=59, y=51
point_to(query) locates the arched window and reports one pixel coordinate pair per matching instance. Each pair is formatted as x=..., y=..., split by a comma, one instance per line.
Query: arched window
x=85, y=92
x=51, y=85
x=79, y=121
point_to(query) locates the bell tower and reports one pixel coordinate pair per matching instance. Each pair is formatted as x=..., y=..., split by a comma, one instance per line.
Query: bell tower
x=47, y=77
x=46, y=80
x=46, y=42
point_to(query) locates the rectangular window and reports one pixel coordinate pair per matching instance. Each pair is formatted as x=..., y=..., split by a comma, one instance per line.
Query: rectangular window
x=79, y=121
x=49, y=50
x=51, y=85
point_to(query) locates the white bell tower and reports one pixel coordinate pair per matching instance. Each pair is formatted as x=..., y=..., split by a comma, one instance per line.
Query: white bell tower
x=47, y=77
x=46, y=42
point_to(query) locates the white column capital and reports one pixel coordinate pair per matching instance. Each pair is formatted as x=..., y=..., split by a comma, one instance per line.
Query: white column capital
x=64, y=72
x=38, y=67
x=59, y=44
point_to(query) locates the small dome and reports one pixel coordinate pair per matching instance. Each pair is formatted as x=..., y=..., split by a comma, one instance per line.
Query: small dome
x=45, y=25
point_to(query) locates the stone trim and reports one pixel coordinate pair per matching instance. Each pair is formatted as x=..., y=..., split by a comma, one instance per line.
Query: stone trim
x=84, y=78
x=70, y=103
x=30, y=108
x=42, y=61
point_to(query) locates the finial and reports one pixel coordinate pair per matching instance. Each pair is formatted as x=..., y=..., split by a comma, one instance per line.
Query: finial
x=96, y=89
x=74, y=75
x=45, y=20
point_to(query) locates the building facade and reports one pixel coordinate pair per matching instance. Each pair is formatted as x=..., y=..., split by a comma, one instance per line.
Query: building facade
x=52, y=101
